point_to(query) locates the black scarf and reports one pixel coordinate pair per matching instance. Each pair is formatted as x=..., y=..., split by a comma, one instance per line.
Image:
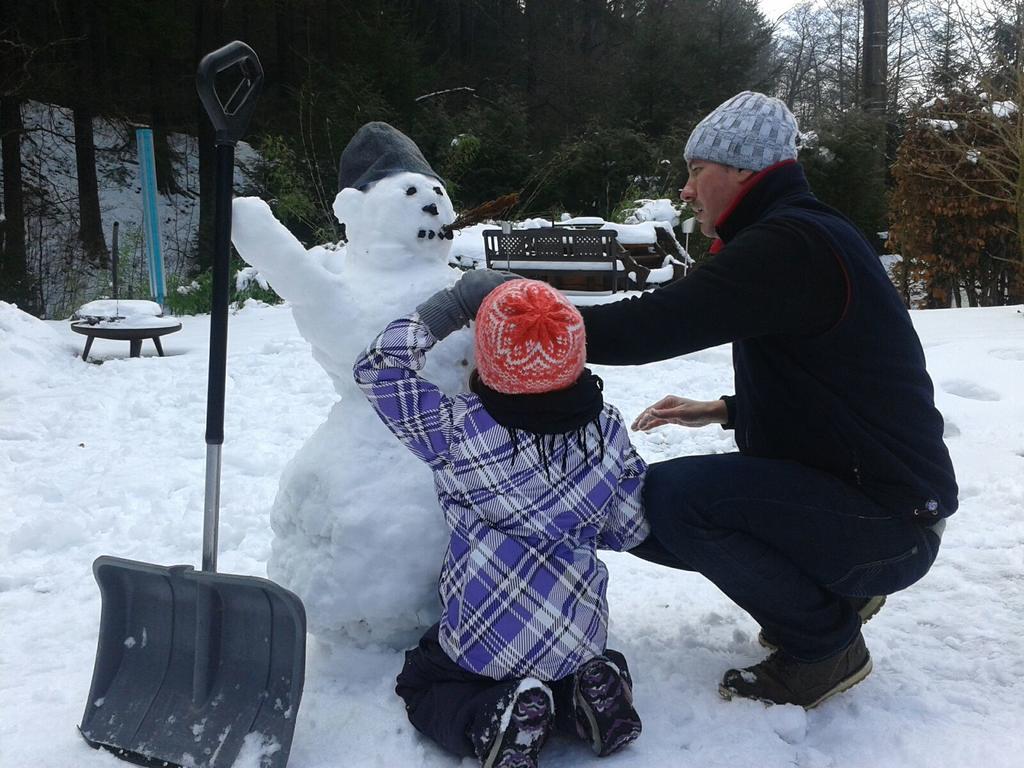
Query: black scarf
x=547, y=417
x=547, y=413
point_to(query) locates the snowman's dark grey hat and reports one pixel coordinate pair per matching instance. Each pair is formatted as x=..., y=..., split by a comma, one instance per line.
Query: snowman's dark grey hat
x=376, y=151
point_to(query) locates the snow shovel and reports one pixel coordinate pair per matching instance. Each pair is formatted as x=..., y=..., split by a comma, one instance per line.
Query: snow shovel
x=192, y=666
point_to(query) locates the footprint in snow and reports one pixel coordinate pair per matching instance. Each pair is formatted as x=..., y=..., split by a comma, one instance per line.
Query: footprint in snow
x=1008, y=353
x=970, y=390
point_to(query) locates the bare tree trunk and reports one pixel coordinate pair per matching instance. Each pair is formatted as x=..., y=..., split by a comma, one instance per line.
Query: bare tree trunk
x=905, y=282
x=971, y=287
x=465, y=38
x=532, y=48
x=1016, y=283
x=897, y=76
x=90, y=224
x=876, y=23
x=841, y=75
x=82, y=19
x=16, y=282
x=163, y=156
x=283, y=33
x=794, y=81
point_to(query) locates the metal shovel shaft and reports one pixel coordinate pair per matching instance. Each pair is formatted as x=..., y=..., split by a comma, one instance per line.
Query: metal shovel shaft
x=211, y=508
x=218, y=351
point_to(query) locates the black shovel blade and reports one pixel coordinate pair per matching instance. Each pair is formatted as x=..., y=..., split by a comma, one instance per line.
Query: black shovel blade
x=192, y=666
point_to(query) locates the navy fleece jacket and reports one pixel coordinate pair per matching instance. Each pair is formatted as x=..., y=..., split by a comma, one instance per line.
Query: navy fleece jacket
x=829, y=370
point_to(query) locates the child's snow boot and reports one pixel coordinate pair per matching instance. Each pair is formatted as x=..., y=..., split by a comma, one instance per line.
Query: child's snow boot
x=517, y=729
x=603, y=696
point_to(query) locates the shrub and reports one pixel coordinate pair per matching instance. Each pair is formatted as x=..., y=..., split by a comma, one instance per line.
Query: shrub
x=194, y=295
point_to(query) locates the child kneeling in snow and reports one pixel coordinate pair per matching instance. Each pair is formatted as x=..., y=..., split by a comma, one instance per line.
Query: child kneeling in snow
x=534, y=472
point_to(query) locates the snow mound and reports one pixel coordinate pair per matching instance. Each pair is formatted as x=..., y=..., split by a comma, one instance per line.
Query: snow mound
x=29, y=350
x=655, y=210
x=124, y=313
x=129, y=309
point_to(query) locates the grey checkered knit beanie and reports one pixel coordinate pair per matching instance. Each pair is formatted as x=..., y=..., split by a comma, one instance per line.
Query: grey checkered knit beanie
x=749, y=131
x=376, y=151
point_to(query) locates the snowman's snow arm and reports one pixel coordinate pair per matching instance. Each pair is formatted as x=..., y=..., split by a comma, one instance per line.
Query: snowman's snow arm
x=266, y=244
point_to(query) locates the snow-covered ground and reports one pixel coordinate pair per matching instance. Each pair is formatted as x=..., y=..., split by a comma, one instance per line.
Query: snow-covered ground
x=109, y=459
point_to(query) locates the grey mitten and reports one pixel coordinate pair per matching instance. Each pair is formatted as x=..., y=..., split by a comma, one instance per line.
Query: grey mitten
x=452, y=308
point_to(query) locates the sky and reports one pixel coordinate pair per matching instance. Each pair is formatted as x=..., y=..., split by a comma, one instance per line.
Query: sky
x=772, y=9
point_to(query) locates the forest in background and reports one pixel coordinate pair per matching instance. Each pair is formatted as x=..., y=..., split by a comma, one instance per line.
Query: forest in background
x=577, y=105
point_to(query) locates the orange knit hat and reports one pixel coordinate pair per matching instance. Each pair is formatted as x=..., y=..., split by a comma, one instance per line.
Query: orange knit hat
x=529, y=339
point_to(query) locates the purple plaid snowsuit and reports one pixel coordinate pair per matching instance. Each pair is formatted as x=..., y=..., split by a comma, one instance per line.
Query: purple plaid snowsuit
x=522, y=590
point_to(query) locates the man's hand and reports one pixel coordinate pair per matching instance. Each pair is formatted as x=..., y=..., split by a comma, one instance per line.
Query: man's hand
x=678, y=410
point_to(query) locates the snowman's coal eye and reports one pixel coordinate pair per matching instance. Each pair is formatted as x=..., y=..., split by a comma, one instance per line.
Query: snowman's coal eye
x=439, y=191
x=410, y=191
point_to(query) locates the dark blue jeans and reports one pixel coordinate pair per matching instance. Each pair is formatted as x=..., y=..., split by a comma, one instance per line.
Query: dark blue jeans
x=784, y=541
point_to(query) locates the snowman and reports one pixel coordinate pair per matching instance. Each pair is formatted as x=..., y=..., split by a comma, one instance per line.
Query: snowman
x=358, y=533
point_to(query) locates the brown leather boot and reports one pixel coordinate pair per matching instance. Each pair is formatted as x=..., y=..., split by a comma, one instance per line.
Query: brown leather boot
x=781, y=679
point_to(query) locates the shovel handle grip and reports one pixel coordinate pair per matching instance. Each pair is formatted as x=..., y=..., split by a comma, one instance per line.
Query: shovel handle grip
x=230, y=116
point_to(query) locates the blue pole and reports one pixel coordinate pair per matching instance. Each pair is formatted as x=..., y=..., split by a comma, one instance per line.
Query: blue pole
x=150, y=218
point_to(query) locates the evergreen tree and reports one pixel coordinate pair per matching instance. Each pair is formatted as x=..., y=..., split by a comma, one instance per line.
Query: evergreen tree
x=843, y=170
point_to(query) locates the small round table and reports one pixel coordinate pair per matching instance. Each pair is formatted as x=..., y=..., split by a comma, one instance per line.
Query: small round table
x=132, y=334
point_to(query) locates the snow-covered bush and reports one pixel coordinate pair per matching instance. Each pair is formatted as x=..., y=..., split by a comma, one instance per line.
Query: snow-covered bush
x=193, y=295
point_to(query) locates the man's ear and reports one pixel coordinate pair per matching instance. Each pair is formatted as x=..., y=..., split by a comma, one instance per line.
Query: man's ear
x=348, y=205
x=746, y=175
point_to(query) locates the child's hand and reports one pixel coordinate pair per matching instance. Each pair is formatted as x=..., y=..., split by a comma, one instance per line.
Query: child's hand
x=473, y=287
x=448, y=310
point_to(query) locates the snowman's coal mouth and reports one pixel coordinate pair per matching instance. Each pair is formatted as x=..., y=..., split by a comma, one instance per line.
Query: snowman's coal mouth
x=441, y=234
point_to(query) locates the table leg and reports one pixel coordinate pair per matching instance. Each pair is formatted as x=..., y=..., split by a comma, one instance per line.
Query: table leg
x=136, y=347
x=159, y=348
x=88, y=346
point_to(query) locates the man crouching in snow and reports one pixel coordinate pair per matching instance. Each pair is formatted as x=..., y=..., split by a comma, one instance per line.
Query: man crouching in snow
x=840, y=490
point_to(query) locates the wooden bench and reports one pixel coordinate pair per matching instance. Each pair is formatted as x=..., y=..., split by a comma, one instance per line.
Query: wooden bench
x=564, y=258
